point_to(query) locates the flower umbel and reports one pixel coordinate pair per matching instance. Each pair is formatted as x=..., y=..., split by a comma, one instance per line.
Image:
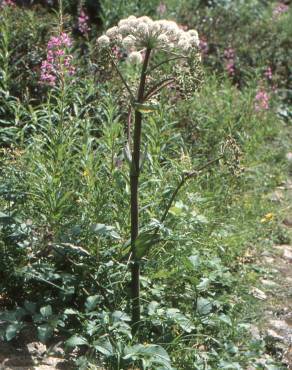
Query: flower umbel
x=136, y=34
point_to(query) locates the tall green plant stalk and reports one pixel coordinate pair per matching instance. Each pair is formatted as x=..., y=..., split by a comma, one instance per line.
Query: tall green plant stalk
x=134, y=182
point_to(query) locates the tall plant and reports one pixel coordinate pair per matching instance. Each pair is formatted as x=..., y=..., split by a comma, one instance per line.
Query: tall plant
x=164, y=56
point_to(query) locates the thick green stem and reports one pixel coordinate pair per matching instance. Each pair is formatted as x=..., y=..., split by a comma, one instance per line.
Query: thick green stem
x=134, y=181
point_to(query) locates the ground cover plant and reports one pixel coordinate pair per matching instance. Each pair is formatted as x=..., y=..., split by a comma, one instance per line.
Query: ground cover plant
x=140, y=145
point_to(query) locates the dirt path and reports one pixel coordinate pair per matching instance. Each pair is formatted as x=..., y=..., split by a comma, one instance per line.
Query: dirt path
x=276, y=289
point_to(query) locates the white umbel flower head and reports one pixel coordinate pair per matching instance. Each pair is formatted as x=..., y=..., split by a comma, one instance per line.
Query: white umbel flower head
x=112, y=32
x=163, y=39
x=143, y=29
x=138, y=33
x=128, y=42
x=135, y=58
x=103, y=41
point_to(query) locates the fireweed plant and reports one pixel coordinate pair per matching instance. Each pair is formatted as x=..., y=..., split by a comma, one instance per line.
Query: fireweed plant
x=149, y=46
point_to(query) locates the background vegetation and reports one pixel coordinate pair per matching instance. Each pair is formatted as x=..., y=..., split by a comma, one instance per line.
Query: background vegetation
x=64, y=191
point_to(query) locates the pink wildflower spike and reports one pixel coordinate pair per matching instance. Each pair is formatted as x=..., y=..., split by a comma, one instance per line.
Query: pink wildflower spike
x=83, y=22
x=57, y=61
x=161, y=9
x=7, y=3
x=268, y=73
x=279, y=9
x=203, y=46
x=229, y=55
x=261, y=100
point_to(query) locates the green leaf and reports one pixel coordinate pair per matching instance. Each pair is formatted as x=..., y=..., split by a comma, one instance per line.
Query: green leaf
x=144, y=242
x=45, y=332
x=46, y=311
x=195, y=261
x=204, y=306
x=30, y=306
x=70, y=311
x=91, y=302
x=104, y=346
x=12, y=330
x=105, y=230
x=75, y=341
x=204, y=284
x=226, y=319
x=120, y=316
x=180, y=319
x=151, y=354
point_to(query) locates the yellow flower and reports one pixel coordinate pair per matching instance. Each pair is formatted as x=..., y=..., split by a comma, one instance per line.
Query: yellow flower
x=85, y=173
x=268, y=217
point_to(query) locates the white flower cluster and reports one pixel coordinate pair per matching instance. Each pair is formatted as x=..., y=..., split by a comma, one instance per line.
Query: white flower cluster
x=135, y=34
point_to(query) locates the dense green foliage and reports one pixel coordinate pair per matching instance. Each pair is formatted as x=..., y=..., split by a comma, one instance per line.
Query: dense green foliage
x=64, y=191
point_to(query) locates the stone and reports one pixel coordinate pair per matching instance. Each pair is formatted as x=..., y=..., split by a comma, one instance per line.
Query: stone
x=257, y=293
x=269, y=283
x=273, y=334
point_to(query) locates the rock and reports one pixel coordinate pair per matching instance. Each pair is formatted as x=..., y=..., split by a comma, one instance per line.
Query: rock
x=36, y=348
x=268, y=260
x=254, y=331
x=279, y=324
x=287, y=221
x=277, y=196
x=269, y=283
x=287, y=255
x=286, y=251
x=274, y=335
x=257, y=293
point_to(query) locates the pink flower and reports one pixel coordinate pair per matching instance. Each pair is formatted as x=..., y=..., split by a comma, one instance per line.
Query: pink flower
x=268, y=73
x=7, y=3
x=261, y=100
x=161, y=9
x=58, y=61
x=230, y=68
x=279, y=9
x=204, y=47
x=229, y=55
x=83, y=22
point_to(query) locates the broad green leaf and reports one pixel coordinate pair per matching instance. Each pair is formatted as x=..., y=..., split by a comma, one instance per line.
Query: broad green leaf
x=226, y=319
x=30, y=307
x=120, y=316
x=46, y=311
x=104, y=346
x=195, y=261
x=45, y=332
x=105, y=230
x=75, y=341
x=70, y=311
x=12, y=330
x=204, y=306
x=144, y=242
x=91, y=302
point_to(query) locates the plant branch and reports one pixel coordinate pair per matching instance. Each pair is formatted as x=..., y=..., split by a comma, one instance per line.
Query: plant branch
x=158, y=87
x=166, y=61
x=184, y=178
x=122, y=77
